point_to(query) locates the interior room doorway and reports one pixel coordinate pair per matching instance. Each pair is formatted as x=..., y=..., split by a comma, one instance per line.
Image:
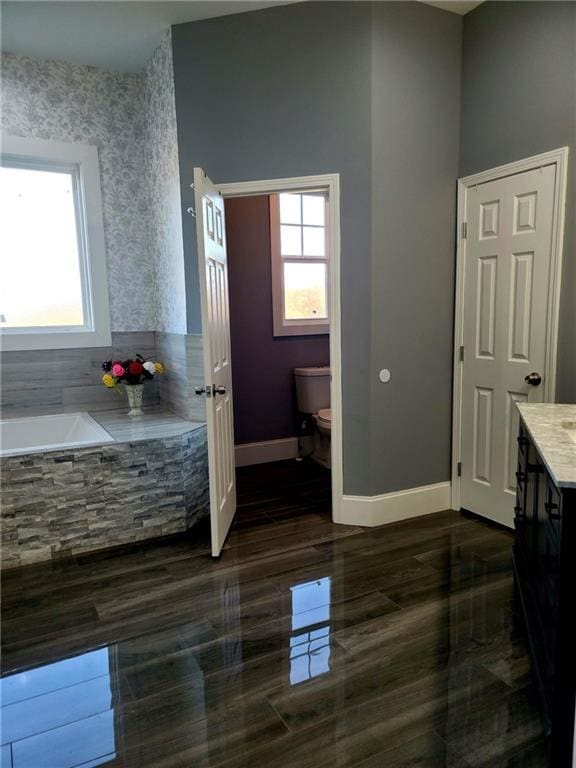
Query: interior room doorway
x=299, y=208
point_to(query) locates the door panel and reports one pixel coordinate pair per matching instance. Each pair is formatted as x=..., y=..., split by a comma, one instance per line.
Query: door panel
x=506, y=288
x=520, y=306
x=486, y=319
x=217, y=365
x=483, y=434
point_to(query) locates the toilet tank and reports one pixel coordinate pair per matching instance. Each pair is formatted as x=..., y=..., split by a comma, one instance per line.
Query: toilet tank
x=312, y=388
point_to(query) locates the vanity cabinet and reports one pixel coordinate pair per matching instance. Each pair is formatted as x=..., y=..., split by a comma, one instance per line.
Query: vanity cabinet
x=545, y=571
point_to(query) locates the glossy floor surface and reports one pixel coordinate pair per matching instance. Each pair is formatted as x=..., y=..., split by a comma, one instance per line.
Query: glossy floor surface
x=307, y=645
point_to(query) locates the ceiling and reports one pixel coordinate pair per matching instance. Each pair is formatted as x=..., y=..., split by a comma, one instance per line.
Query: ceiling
x=118, y=35
x=456, y=6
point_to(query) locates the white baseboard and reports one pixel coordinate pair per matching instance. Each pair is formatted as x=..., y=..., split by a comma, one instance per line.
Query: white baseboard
x=266, y=451
x=392, y=507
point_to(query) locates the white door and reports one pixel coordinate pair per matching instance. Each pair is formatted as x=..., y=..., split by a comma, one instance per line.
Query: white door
x=217, y=389
x=506, y=284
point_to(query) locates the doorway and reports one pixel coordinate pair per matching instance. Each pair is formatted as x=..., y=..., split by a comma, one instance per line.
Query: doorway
x=508, y=279
x=211, y=200
x=278, y=277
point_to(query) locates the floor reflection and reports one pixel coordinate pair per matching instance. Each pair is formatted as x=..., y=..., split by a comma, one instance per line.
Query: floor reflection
x=61, y=714
x=306, y=646
x=310, y=649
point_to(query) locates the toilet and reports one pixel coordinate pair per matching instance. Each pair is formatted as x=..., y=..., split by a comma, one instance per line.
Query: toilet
x=313, y=395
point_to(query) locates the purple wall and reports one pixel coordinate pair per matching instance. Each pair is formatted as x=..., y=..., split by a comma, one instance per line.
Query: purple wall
x=262, y=366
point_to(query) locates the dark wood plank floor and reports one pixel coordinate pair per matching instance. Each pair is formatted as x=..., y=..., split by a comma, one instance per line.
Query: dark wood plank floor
x=305, y=645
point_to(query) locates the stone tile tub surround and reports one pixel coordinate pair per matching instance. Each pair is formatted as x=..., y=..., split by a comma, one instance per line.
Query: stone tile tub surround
x=545, y=423
x=182, y=356
x=151, y=482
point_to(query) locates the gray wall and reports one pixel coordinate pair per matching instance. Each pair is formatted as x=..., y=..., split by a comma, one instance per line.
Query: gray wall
x=286, y=92
x=519, y=99
x=370, y=91
x=415, y=118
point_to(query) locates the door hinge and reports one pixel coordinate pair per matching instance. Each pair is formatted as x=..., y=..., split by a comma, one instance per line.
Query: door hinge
x=459, y=469
x=464, y=230
x=462, y=354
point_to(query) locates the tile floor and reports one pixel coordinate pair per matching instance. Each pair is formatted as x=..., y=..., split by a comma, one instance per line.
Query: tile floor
x=306, y=644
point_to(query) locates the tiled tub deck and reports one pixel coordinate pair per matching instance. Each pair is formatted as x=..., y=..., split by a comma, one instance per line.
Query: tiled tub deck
x=152, y=481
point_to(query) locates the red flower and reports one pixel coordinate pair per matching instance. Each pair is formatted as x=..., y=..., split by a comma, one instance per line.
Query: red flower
x=135, y=368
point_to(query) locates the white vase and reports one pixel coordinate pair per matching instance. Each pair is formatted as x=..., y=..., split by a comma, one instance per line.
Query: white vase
x=134, y=394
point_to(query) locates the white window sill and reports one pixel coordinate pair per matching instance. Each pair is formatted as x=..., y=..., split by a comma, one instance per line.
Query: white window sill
x=16, y=342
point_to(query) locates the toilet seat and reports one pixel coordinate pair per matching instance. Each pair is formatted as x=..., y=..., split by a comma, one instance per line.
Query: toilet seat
x=324, y=418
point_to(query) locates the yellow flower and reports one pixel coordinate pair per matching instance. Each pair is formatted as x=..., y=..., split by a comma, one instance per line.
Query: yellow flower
x=108, y=380
x=159, y=367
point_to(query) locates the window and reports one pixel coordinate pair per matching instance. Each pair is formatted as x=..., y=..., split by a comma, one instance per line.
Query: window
x=300, y=263
x=53, y=287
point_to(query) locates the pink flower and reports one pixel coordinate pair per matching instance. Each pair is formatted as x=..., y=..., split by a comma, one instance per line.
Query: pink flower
x=117, y=370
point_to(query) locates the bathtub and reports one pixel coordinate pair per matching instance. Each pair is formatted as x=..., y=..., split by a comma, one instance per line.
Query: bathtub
x=39, y=434
x=72, y=483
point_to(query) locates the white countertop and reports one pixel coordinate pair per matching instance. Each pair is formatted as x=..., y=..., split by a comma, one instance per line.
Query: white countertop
x=544, y=422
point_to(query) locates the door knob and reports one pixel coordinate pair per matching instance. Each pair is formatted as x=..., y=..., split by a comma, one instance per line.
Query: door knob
x=199, y=390
x=218, y=390
x=533, y=378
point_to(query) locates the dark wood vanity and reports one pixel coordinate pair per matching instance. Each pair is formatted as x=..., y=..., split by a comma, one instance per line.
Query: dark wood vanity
x=545, y=567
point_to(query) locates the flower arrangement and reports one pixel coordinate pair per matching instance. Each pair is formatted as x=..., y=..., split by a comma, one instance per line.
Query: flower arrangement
x=132, y=373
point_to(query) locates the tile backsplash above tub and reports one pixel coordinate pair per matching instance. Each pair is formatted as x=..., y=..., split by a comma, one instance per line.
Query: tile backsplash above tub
x=67, y=380
x=182, y=356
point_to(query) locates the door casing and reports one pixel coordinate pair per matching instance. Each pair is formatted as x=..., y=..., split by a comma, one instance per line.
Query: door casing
x=329, y=183
x=558, y=157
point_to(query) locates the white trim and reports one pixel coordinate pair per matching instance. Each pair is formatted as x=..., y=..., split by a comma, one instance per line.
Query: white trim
x=329, y=182
x=559, y=158
x=247, y=454
x=82, y=159
x=398, y=505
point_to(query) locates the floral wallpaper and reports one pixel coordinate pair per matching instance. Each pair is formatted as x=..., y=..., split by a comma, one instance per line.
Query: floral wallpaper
x=132, y=120
x=162, y=172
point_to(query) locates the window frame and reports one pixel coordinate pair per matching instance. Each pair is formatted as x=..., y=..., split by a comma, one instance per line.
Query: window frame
x=281, y=325
x=81, y=161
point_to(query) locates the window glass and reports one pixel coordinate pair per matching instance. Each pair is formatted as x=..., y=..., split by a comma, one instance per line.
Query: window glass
x=290, y=240
x=305, y=291
x=313, y=241
x=313, y=209
x=40, y=277
x=290, y=209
